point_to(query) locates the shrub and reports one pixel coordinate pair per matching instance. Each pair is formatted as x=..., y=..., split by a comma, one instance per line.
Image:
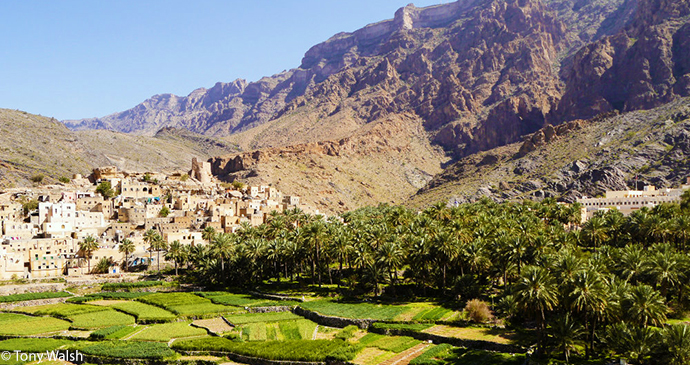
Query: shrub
x=347, y=332
x=102, y=266
x=38, y=178
x=164, y=212
x=64, y=180
x=105, y=189
x=478, y=311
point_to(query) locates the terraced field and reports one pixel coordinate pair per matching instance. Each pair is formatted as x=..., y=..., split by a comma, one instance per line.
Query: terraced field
x=109, y=330
x=187, y=304
x=82, y=316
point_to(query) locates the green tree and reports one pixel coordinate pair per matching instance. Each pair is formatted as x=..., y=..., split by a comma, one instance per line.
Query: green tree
x=221, y=247
x=87, y=246
x=566, y=334
x=105, y=189
x=677, y=341
x=536, y=292
x=645, y=306
x=126, y=247
x=177, y=254
x=164, y=212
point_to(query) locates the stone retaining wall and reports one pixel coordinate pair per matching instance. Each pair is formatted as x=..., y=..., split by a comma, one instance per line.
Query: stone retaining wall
x=30, y=303
x=273, y=309
x=472, y=344
x=31, y=288
x=331, y=321
x=275, y=296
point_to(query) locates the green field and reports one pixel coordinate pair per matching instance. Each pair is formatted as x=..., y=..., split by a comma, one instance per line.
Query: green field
x=301, y=329
x=21, y=325
x=432, y=314
x=125, y=349
x=33, y=296
x=96, y=320
x=356, y=310
x=238, y=319
x=304, y=350
x=186, y=304
x=144, y=313
x=389, y=343
x=63, y=310
x=243, y=300
x=167, y=331
x=32, y=344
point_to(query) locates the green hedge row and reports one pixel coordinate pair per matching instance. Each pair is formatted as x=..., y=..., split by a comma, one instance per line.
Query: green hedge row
x=129, y=350
x=294, y=350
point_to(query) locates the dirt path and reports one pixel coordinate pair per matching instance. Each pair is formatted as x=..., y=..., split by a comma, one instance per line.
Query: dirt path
x=406, y=356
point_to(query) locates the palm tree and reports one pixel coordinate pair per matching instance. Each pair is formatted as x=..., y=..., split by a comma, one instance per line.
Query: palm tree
x=536, y=291
x=221, y=247
x=149, y=237
x=664, y=267
x=646, y=306
x=390, y=256
x=566, y=333
x=161, y=245
x=127, y=247
x=677, y=341
x=595, y=231
x=176, y=253
x=208, y=233
x=87, y=246
x=589, y=297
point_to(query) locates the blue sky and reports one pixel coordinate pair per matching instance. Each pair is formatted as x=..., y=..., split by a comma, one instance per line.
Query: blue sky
x=79, y=59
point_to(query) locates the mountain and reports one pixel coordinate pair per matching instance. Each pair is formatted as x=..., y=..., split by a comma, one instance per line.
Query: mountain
x=36, y=145
x=583, y=157
x=451, y=80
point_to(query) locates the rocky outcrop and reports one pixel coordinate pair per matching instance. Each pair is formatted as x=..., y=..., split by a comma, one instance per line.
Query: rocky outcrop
x=613, y=152
x=641, y=67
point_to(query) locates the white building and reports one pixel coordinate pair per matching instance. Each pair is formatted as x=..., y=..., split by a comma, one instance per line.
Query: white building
x=628, y=201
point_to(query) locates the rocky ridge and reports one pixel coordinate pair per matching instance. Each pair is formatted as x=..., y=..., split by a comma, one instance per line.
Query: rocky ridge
x=34, y=145
x=470, y=76
x=580, y=158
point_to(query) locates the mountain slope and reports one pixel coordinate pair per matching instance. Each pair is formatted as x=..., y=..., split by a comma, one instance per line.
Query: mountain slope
x=468, y=76
x=578, y=158
x=33, y=145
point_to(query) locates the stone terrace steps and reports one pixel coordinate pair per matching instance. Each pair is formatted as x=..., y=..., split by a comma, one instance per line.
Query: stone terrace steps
x=406, y=356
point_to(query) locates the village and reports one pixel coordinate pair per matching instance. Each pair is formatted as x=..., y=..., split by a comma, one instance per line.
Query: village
x=42, y=227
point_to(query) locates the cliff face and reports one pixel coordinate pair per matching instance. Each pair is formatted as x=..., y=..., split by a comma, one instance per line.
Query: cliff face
x=468, y=76
x=643, y=66
x=582, y=157
x=458, y=66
